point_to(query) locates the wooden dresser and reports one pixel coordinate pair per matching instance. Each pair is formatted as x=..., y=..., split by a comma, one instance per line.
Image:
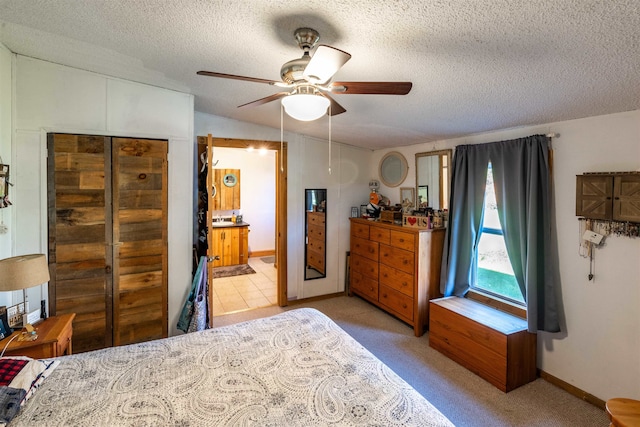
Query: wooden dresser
x=316, y=240
x=396, y=268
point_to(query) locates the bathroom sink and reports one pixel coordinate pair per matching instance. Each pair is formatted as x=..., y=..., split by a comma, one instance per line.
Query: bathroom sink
x=222, y=223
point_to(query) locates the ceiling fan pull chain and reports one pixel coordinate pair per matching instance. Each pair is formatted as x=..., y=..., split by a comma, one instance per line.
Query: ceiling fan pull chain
x=329, y=139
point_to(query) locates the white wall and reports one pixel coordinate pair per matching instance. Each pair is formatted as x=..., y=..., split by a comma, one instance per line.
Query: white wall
x=598, y=350
x=5, y=138
x=55, y=98
x=308, y=164
x=5, y=153
x=257, y=192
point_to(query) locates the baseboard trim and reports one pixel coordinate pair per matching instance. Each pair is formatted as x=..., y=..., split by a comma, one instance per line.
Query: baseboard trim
x=572, y=389
x=255, y=254
x=318, y=298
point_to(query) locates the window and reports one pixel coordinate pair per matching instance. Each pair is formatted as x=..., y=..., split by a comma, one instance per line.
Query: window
x=494, y=272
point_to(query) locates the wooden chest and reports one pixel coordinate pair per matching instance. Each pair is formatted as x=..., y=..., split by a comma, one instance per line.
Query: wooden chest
x=390, y=216
x=492, y=344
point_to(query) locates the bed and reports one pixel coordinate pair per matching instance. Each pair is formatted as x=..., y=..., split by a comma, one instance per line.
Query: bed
x=295, y=368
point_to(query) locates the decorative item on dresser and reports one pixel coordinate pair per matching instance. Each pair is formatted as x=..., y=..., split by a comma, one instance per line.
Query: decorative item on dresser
x=54, y=339
x=396, y=268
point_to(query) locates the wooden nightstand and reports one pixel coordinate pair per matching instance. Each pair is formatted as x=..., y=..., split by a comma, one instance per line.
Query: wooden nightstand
x=54, y=339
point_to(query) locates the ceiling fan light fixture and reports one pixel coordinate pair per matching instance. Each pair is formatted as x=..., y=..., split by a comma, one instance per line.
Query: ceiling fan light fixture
x=305, y=107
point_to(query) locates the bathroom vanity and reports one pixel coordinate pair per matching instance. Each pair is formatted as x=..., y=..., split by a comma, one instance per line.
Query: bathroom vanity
x=230, y=243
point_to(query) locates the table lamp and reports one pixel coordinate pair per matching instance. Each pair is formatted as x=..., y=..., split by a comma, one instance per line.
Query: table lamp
x=22, y=272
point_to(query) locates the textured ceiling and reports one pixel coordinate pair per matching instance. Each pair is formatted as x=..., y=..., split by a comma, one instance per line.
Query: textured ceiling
x=476, y=65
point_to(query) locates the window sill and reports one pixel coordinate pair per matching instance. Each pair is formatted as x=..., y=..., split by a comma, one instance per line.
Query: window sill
x=498, y=304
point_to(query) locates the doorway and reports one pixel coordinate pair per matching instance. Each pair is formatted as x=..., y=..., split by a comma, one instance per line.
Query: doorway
x=261, y=263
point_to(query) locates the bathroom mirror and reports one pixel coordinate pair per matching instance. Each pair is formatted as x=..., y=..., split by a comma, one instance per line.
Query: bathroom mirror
x=433, y=176
x=393, y=169
x=315, y=233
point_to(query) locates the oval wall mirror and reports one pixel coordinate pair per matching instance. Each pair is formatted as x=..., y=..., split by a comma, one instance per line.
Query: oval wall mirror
x=393, y=169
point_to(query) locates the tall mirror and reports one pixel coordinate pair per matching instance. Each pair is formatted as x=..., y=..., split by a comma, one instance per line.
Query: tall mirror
x=315, y=233
x=433, y=177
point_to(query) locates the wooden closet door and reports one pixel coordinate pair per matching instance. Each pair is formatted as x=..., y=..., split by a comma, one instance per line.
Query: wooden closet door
x=79, y=216
x=139, y=168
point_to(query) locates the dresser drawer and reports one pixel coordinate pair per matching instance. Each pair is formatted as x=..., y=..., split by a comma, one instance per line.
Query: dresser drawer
x=316, y=218
x=380, y=235
x=316, y=245
x=396, y=279
x=364, y=266
x=397, y=258
x=64, y=343
x=364, y=285
x=396, y=301
x=402, y=240
x=316, y=232
x=360, y=230
x=365, y=248
x=315, y=260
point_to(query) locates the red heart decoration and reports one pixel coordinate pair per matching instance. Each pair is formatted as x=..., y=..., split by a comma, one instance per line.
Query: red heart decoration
x=411, y=220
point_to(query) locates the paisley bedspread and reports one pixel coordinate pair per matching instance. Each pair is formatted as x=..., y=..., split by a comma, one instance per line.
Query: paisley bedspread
x=297, y=368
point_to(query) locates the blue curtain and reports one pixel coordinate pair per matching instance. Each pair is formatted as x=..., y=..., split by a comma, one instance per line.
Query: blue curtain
x=521, y=175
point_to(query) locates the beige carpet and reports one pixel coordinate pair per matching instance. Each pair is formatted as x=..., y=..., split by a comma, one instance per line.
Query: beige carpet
x=466, y=399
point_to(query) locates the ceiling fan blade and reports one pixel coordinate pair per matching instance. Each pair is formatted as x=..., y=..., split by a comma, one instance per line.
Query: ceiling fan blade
x=371, y=88
x=234, y=77
x=324, y=63
x=335, y=107
x=265, y=99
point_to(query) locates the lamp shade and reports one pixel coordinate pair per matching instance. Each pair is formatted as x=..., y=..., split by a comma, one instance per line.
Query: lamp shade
x=305, y=107
x=24, y=271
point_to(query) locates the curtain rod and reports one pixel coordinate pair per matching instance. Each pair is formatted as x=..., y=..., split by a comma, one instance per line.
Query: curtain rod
x=552, y=135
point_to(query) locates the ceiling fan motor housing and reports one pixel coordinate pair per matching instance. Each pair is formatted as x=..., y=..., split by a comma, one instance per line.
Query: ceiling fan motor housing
x=292, y=71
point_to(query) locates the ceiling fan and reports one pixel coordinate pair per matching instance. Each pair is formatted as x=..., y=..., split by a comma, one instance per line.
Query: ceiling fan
x=309, y=81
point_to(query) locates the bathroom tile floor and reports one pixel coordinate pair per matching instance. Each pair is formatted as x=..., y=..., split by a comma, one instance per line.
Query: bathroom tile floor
x=245, y=292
